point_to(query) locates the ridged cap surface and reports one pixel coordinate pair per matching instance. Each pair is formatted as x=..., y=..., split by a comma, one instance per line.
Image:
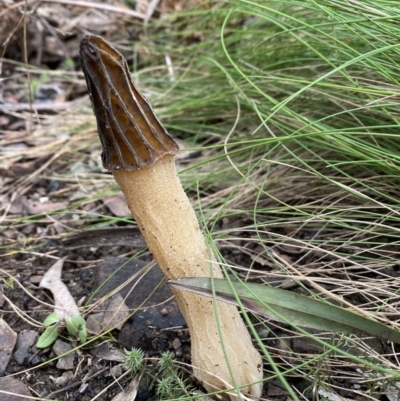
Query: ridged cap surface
x=131, y=135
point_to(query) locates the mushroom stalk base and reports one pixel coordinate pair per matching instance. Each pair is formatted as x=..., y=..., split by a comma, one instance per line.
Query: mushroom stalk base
x=167, y=220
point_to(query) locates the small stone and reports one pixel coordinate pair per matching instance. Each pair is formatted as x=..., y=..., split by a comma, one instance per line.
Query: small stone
x=36, y=360
x=65, y=362
x=61, y=347
x=20, y=390
x=25, y=340
x=116, y=371
x=103, y=351
x=36, y=279
x=93, y=323
x=263, y=331
x=115, y=314
x=176, y=344
x=8, y=339
x=63, y=380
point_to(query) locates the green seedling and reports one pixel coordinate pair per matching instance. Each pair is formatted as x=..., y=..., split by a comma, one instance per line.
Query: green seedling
x=76, y=326
x=68, y=64
x=165, y=378
x=9, y=282
x=51, y=333
x=134, y=360
x=51, y=320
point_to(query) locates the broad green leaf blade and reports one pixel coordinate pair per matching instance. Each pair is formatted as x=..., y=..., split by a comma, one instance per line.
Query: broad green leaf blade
x=288, y=307
x=48, y=337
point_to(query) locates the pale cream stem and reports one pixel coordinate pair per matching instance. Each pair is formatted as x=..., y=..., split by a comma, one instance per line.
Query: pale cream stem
x=168, y=222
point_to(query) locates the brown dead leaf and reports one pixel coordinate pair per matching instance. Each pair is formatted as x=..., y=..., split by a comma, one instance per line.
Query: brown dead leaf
x=113, y=317
x=117, y=205
x=17, y=170
x=43, y=206
x=129, y=393
x=65, y=304
x=18, y=205
x=116, y=314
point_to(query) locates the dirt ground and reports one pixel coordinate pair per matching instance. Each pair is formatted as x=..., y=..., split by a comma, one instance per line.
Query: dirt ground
x=93, y=367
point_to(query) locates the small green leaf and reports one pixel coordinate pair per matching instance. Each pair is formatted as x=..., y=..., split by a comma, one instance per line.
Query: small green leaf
x=53, y=318
x=48, y=337
x=76, y=326
x=82, y=335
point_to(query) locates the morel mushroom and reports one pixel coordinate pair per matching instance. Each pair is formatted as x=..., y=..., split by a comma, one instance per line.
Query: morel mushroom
x=140, y=154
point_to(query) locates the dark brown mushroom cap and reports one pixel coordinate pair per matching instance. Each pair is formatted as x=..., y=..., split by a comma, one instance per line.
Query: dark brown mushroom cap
x=131, y=135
